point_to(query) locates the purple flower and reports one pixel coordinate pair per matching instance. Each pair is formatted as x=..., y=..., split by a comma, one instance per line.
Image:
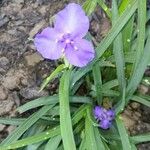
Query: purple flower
x=105, y=124
x=98, y=112
x=66, y=38
x=104, y=116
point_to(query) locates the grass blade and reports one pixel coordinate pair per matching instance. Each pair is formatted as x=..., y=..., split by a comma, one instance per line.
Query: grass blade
x=141, y=29
x=140, y=100
x=120, y=22
x=123, y=134
x=90, y=142
x=65, y=118
x=52, y=76
x=50, y=100
x=11, y=121
x=141, y=138
x=46, y=100
x=118, y=51
x=25, y=125
x=128, y=29
x=97, y=82
x=79, y=114
x=89, y=6
x=138, y=74
x=104, y=7
x=53, y=143
x=33, y=139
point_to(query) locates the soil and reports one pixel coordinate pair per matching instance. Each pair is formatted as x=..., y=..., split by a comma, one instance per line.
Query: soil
x=22, y=69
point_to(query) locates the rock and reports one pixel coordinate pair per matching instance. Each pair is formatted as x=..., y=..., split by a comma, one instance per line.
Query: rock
x=16, y=98
x=18, y=1
x=2, y=127
x=128, y=121
x=135, y=105
x=32, y=93
x=2, y=71
x=4, y=62
x=3, y=93
x=36, y=28
x=3, y=21
x=10, y=129
x=33, y=59
x=143, y=89
x=6, y=106
x=13, y=79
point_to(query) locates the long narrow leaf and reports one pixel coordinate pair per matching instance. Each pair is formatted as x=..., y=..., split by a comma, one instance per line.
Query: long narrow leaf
x=138, y=74
x=50, y=100
x=123, y=134
x=97, y=82
x=65, y=118
x=53, y=143
x=140, y=138
x=25, y=125
x=118, y=51
x=141, y=100
x=141, y=29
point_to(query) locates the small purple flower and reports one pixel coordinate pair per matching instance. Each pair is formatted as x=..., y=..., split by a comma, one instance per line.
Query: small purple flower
x=104, y=116
x=66, y=38
x=98, y=112
x=105, y=124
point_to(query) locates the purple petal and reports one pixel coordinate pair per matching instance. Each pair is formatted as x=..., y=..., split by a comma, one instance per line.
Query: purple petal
x=80, y=53
x=111, y=114
x=72, y=20
x=105, y=124
x=50, y=34
x=98, y=112
x=46, y=44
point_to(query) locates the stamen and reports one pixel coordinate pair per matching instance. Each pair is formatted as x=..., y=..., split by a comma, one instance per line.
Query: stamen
x=75, y=48
x=67, y=41
x=63, y=50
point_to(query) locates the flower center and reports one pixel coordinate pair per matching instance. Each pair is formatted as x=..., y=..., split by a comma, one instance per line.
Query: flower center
x=68, y=41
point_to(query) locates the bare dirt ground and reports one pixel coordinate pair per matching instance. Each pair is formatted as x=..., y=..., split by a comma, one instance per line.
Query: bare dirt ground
x=22, y=69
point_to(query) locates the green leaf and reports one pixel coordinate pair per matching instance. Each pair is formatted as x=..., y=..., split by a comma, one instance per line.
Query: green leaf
x=117, y=27
x=104, y=7
x=138, y=73
x=127, y=34
x=89, y=6
x=140, y=100
x=128, y=29
x=52, y=76
x=110, y=84
x=141, y=138
x=141, y=31
x=50, y=100
x=53, y=143
x=126, y=145
x=33, y=139
x=90, y=137
x=118, y=51
x=100, y=144
x=65, y=118
x=46, y=100
x=26, y=125
x=78, y=115
x=121, y=104
x=97, y=82
x=11, y=121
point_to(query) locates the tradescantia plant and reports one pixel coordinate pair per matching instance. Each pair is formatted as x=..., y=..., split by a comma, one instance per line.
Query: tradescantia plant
x=70, y=121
